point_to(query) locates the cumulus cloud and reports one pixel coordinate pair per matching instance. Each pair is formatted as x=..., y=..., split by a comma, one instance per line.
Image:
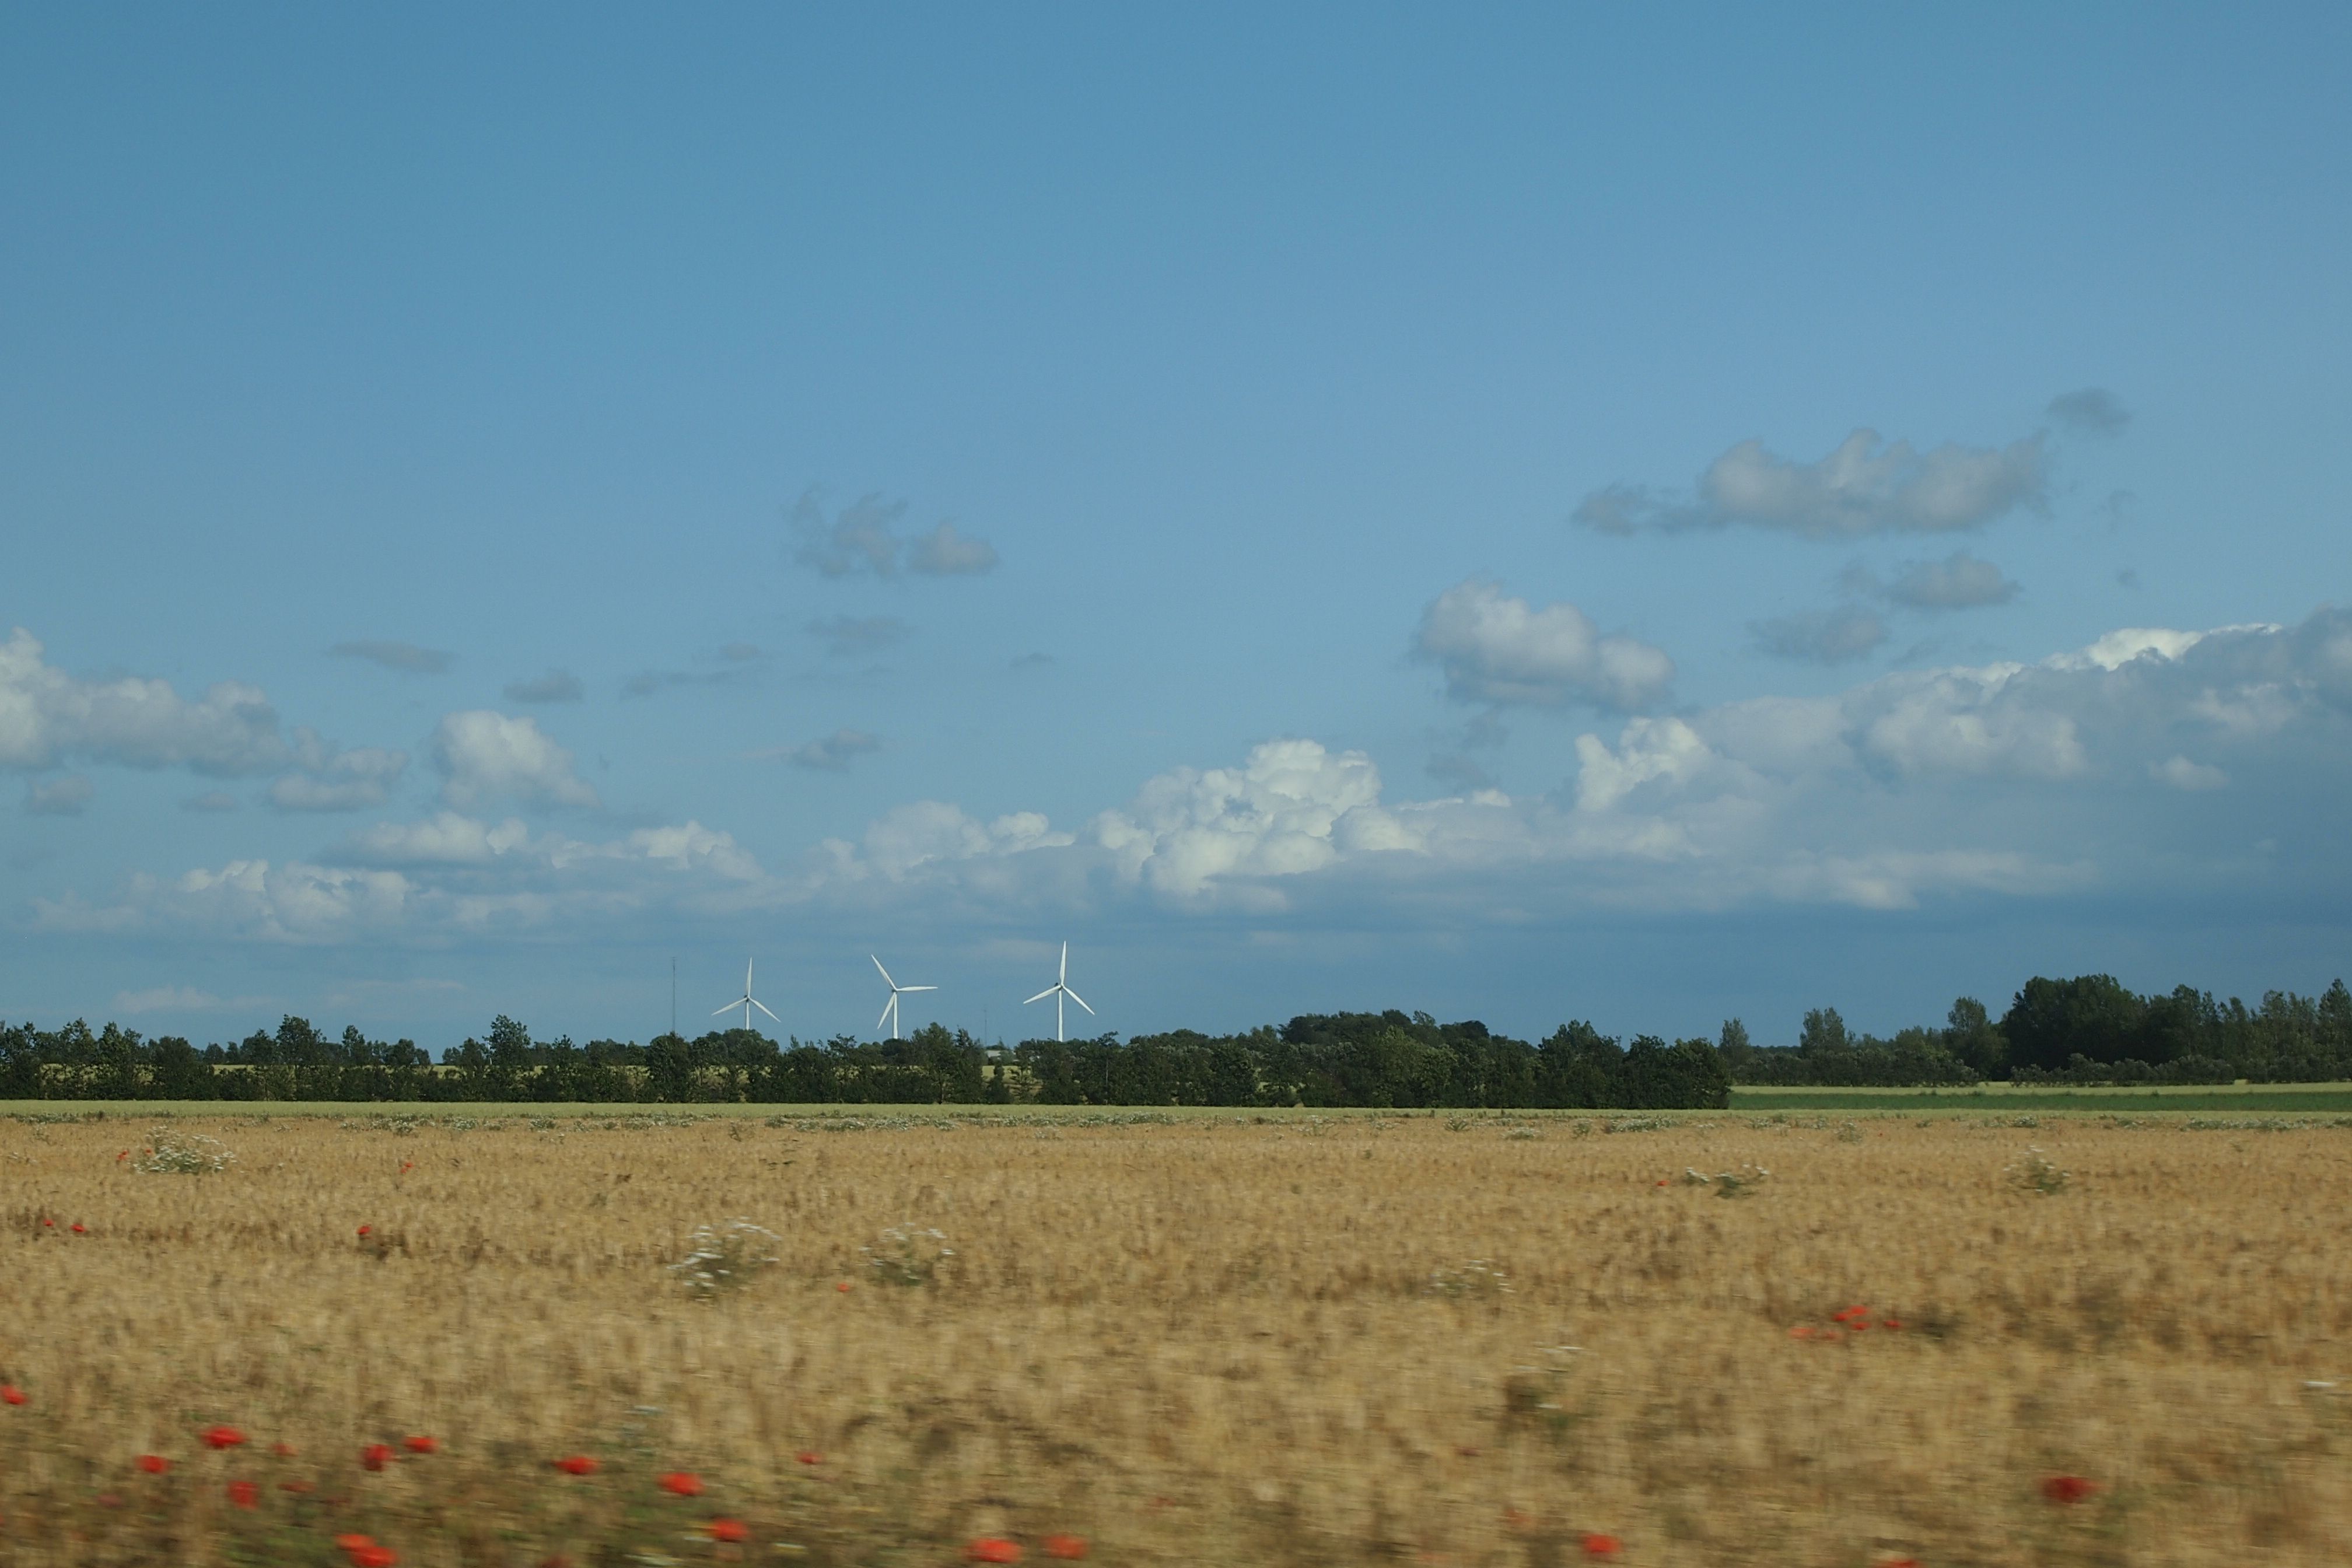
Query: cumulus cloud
x=1499, y=649
x=1837, y=635
x=59, y=797
x=401, y=656
x=253, y=900
x=847, y=635
x=2090, y=411
x=1958, y=582
x=863, y=540
x=833, y=753
x=332, y=779
x=48, y=716
x=173, y=999
x=484, y=756
x=1867, y=486
x=555, y=686
x=944, y=552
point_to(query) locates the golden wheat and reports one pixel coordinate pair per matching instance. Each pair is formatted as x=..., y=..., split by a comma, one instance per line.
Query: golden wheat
x=1229, y=1339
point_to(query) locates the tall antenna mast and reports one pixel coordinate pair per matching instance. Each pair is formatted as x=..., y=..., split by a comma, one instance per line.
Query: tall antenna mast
x=673, y=997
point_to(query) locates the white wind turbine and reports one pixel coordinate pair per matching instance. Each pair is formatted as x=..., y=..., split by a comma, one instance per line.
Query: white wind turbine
x=746, y=1000
x=1059, y=989
x=890, y=1008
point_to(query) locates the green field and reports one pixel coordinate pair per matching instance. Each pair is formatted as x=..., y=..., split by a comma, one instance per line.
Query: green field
x=1991, y=1099
x=2000, y=1098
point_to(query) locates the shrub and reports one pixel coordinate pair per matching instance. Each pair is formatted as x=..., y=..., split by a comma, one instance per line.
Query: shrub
x=726, y=1257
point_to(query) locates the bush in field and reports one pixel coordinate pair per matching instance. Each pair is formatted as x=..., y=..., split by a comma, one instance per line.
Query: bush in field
x=725, y=1258
x=908, y=1255
x=172, y=1152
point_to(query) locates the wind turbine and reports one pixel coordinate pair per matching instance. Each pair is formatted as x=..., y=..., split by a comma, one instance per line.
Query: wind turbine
x=1059, y=989
x=746, y=1000
x=890, y=1008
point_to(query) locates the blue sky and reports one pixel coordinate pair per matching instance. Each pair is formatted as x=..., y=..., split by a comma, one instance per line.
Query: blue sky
x=1647, y=517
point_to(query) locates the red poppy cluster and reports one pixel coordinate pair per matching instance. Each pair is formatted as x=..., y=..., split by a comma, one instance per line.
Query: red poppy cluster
x=1599, y=1546
x=682, y=1483
x=1066, y=1548
x=577, y=1464
x=245, y=1494
x=364, y=1553
x=222, y=1437
x=375, y=1456
x=2068, y=1489
x=153, y=1464
x=994, y=1549
x=1850, y=1321
x=11, y=1395
x=728, y=1530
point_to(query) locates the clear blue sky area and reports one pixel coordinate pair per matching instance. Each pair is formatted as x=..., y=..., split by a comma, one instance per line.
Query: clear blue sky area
x=1649, y=515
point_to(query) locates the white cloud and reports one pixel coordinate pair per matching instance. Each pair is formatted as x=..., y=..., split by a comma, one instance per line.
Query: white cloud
x=176, y=999
x=1494, y=649
x=448, y=838
x=1866, y=486
x=1291, y=808
x=48, y=716
x=253, y=900
x=1649, y=749
x=59, y=797
x=484, y=756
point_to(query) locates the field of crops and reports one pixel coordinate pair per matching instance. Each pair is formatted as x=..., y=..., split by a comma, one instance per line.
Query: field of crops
x=1436, y=1340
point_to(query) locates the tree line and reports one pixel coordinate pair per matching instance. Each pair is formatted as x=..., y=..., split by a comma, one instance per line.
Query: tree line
x=2090, y=1029
x=1390, y=1059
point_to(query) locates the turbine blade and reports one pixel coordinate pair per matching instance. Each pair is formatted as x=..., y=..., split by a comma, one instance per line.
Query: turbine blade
x=886, y=973
x=1078, y=999
x=763, y=1006
x=1039, y=997
x=1066, y=963
x=919, y=988
x=729, y=1008
x=888, y=1008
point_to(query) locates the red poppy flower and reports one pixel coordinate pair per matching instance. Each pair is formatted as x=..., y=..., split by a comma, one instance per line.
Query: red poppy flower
x=245, y=1494
x=2068, y=1489
x=1602, y=1546
x=50, y=1223
x=1857, y=1325
x=366, y=1228
x=124, y=1155
x=223, y=1437
x=843, y=1286
x=1800, y=1332
x=1069, y=1548
x=728, y=1530
x=1891, y=1323
x=421, y=1445
x=681, y=1483
x=376, y=1456
x=78, y=1229
x=11, y=1395
x=809, y=1456
x=994, y=1549
x=1662, y=1181
x=577, y=1464
x=374, y=1557
x=354, y=1541
x=153, y=1464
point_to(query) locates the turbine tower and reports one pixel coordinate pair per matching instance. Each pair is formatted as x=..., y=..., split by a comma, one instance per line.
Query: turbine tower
x=1059, y=989
x=890, y=1008
x=746, y=1000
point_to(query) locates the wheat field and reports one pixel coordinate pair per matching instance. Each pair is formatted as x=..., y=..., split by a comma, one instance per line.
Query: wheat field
x=1230, y=1339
